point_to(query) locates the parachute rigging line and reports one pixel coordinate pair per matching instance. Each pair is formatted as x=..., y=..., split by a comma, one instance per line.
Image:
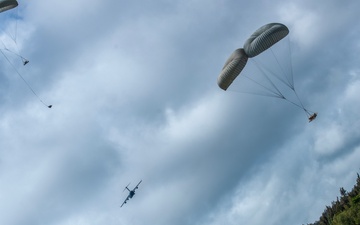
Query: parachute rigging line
x=274, y=93
x=288, y=83
x=263, y=67
x=23, y=59
x=291, y=64
x=302, y=105
x=16, y=24
x=27, y=84
x=13, y=36
x=268, y=78
x=307, y=112
x=258, y=94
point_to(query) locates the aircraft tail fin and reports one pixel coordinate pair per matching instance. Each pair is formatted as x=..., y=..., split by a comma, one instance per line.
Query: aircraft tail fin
x=126, y=188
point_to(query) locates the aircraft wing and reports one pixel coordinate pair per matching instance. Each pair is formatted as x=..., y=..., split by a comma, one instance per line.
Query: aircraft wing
x=127, y=198
x=137, y=186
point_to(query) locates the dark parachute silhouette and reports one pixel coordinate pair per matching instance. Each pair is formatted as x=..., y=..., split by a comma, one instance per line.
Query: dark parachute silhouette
x=261, y=41
x=6, y=5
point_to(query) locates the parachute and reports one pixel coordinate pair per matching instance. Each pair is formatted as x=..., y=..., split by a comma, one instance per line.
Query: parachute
x=259, y=43
x=265, y=37
x=6, y=5
x=232, y=68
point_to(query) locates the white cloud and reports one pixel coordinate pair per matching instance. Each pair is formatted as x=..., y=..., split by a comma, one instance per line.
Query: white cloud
x=329, y=139
x=303, y=23
x=134, y=92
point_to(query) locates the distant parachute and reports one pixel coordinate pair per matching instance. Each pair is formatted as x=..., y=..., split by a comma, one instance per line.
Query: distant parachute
x=7, y=4
x=4, y=6
x=259, y=42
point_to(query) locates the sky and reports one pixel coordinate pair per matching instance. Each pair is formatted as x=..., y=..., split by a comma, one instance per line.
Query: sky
x=134, y=95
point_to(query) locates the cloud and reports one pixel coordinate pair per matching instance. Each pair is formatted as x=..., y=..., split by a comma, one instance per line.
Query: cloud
x=329, y=140
x=312, y=23
x=135, y=97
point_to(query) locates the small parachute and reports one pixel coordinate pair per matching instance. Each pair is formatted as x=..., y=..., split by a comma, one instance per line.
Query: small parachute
x=261, y=41
x=7, y=4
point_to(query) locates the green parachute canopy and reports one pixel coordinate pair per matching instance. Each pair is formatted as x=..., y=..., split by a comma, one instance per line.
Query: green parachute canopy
x=7, y=4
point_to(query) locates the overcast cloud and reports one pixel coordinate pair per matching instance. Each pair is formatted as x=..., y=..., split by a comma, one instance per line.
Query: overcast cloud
x=134, y=95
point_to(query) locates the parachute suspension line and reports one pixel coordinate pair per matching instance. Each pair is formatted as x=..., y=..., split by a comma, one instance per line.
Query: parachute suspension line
x=10, y=34
x=16, y=24
x=13, y=37
x=3, y=44
x=262, y=67
x=308, y=112
x=277, y=94
x=258, y=94
x=24, y=60
x=269, y=80
x=27, y=84
x=291, y=80
x=288, y=83
x=291, y=65
x=302, y=105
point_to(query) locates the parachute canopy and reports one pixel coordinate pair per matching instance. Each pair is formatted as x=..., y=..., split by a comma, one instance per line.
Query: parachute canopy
x=262, y=42
x=7, y=4
x=265, y=37
x=232, y=68
x=262, y=39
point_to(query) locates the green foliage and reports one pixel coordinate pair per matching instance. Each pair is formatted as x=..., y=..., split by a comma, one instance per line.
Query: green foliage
x=350, y=216
x=356, y=199
x=344, y=211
